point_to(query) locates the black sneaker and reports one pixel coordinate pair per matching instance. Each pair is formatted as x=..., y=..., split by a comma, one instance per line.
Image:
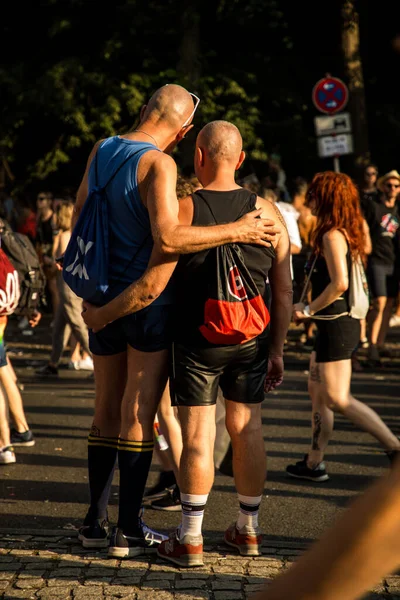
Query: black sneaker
x=47, y=370
x=301, y=471
x=125, y=546
x=22, y=439
x=95, y=535
x=170, y=502
x=165, y=480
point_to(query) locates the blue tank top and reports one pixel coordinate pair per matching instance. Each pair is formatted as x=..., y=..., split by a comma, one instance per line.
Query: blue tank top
x=128, y=219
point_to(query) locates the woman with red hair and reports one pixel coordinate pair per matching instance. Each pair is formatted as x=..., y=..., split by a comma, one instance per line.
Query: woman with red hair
x=338, y=239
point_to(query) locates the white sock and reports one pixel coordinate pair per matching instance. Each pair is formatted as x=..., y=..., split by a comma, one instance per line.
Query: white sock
x=248, y=513
x=193, y=506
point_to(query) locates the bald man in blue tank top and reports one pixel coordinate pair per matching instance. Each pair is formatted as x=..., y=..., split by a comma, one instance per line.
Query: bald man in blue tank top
x=130, y=335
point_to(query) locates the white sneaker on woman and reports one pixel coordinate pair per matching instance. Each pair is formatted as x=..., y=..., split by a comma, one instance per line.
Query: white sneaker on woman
x=394, y=321
x=73, y=365
x=7, y=456
x=86, y=364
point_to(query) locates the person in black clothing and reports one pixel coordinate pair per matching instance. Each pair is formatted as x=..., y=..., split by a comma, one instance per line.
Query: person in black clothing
x=383, y=219
x=368, y=188
x=45, y=232
x=242, y=371
x=339, y=238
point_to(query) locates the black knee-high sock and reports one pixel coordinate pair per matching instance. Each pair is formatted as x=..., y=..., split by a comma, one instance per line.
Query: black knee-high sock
x=102, y=455
x=134, y=460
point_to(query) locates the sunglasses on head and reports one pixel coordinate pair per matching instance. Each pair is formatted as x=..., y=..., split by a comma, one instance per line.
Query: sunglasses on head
x=393, y=185
x=196, y=102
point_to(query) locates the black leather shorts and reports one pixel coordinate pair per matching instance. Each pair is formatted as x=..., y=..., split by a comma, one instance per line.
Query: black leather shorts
x=240, y=371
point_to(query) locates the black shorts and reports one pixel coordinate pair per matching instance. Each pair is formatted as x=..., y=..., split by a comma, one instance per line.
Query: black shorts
x=383, y=280
x=240, y=371
x=148, y=330
x=337, y=339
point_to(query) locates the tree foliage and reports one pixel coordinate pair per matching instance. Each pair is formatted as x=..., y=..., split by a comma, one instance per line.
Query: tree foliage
x=89, y=68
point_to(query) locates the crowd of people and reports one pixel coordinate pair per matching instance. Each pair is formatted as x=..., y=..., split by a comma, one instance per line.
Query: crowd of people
x=182, y=336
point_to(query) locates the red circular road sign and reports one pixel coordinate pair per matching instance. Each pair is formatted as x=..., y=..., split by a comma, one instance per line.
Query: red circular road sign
x=330, y=95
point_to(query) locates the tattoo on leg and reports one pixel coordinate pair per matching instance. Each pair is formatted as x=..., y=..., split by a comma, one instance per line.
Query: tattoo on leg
x=95, y=431
x=317, y=431
x=315, y=374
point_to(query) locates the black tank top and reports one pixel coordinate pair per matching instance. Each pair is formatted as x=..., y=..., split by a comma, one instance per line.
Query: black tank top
x=320, y=279
x=192, y=272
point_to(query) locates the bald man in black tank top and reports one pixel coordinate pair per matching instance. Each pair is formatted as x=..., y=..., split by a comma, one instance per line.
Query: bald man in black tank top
x=242, y=371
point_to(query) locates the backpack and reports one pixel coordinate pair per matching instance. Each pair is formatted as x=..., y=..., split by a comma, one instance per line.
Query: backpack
x=358, y=294
x=85, y=266
x=234, y=311
x=32, y=281
x=9, y=286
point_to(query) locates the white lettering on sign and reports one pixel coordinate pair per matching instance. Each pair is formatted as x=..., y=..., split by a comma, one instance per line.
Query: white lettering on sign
x=335, y=145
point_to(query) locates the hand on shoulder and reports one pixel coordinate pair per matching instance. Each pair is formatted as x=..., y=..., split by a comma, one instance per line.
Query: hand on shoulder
x=271, y=211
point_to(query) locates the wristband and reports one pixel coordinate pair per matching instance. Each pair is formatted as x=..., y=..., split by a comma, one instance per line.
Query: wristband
x=306, y=311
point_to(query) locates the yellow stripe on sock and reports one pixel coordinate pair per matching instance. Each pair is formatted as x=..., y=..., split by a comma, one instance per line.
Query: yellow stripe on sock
x=133, y=443
x=136, y=446
x=101, y=441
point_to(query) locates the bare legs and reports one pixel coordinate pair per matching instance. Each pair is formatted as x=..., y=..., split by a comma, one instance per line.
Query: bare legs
x=110, y=382
x=378, y=323
x=196, y=473
x=4, y=426
x=329, y=388
x=171, y=429
x=243, y=422
x=15, y=404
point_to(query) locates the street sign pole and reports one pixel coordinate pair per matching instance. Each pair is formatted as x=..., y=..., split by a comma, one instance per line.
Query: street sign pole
x=336, y=164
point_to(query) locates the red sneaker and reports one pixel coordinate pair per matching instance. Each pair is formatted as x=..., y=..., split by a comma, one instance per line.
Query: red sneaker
x=246, y=540
x=187, y=552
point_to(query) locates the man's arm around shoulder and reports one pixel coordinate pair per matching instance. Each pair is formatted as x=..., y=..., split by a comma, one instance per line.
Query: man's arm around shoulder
x=170, y=237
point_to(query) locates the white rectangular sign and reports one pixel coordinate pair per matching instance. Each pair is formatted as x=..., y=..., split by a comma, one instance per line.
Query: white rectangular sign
x=328, y=124
x=335, y=145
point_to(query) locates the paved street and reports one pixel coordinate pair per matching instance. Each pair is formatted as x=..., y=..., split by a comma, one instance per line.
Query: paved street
x=43, y=497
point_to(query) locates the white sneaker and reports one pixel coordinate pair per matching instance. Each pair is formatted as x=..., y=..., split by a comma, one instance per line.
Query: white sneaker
x=7, y=456
x=394, y=321
x=73, y=365
x=86, y=364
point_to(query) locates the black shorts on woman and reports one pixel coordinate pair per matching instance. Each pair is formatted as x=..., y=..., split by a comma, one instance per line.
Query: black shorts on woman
x=337, y=338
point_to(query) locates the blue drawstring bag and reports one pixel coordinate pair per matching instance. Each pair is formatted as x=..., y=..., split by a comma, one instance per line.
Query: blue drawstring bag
x=85, y=265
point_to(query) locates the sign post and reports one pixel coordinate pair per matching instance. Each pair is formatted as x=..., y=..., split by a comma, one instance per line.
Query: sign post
x=330, y=96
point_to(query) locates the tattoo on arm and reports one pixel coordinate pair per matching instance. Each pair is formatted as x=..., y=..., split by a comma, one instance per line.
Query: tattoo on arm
x=317, y=431
x=95, y=431
x=279, y=215
x=315, y=374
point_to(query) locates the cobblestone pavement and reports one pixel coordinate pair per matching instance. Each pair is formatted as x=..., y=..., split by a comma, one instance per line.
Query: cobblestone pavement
x=52, y=565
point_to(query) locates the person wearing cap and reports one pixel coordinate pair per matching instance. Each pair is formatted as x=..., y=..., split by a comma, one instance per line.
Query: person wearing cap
x=383, y=218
